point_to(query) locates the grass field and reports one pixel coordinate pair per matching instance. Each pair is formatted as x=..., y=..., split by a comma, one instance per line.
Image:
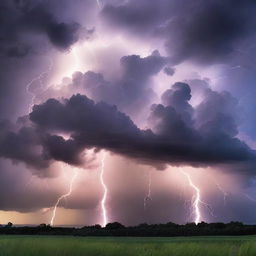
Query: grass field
x=76, y=246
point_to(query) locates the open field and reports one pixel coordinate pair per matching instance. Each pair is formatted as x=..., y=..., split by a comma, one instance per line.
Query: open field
x=76, y=246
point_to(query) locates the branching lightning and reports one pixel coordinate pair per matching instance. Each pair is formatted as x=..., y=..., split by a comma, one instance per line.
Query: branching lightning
x=35, y=79
x=105, y=191
x=64, y=196
x=148, y=196
x=197, y=198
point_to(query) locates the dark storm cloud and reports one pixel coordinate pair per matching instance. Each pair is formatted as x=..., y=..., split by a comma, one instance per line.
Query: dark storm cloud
x=133, y=89
x=172, y=139
x=212, y=31
x=178, y=97
x=62, y=35
x=135, y=84
x=21, y=21
x=179, y=133
x=79, y=114
x=18, y=51
x=206, y=31
x=169, y=71
x=32, y=33
x=138, y=16
x=218, y=113
x=55, y=147
x=38, y=149
x=22, y=145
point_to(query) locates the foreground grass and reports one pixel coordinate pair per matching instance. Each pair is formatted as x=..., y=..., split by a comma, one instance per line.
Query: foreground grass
x=80, y=246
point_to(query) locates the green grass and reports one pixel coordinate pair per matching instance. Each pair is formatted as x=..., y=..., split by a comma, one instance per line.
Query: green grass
x=80, y=246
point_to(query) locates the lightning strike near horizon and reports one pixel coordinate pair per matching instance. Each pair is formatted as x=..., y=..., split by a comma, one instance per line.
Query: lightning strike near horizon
x=196, y=202
x=64, y=196
x=148, y=196
x=105, y=191
x=37, y=78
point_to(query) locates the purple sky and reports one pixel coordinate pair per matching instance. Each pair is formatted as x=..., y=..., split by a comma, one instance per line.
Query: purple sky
x=165, y=89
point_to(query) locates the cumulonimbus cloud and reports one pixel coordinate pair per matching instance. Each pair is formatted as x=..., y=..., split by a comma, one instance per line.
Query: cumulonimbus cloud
x=179, y=134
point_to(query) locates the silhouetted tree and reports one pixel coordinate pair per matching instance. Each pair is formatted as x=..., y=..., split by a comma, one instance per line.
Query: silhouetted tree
x=235, y=223
x=97, y=226
x=202, y=224
x=117, y=229
x=43, y=225
x=218, y=225
x=114, y=225
x=171, y=224
x=9, y=225
x=143, y=225
x=191, y=224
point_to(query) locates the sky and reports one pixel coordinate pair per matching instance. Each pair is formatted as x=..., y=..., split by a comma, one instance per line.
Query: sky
x=129, y=111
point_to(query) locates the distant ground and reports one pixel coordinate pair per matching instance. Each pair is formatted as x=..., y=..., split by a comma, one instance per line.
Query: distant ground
x=143, y=230
x=124, y=246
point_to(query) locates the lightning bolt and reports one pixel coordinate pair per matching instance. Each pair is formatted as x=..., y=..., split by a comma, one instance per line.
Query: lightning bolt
x=98, y=3
x=249, y=197
x=148, y=196
x=105, y=191
x=64, y=196
x=225, y=194
x=35, y=79
x=197, y=198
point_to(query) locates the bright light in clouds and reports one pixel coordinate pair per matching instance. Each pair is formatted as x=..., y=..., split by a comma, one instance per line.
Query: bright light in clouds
x=87, y=55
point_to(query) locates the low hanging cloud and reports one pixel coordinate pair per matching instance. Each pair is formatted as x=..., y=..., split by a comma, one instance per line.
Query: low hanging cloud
x=179, y=134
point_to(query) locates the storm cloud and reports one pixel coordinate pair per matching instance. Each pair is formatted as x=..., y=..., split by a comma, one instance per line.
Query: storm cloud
x=203, y=31
x=21, y=20
x=131, y=90
x=167, y=85
x=179, y=134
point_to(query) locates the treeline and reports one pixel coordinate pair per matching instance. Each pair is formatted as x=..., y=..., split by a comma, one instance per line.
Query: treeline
x=143, y=230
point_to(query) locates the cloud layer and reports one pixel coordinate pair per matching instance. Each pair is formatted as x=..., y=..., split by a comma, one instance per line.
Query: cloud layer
x=179, y=134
